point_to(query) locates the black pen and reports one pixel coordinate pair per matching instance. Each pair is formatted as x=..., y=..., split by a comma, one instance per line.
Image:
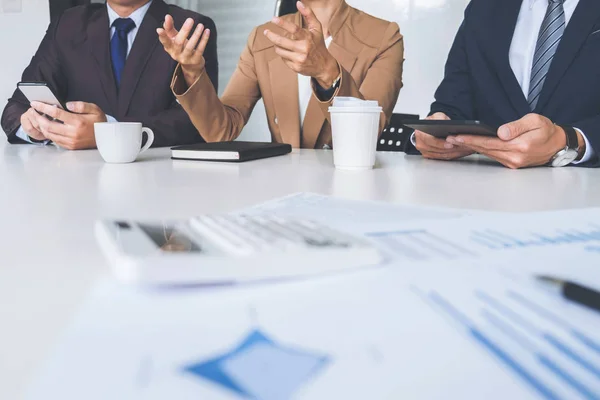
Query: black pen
x=574, y=292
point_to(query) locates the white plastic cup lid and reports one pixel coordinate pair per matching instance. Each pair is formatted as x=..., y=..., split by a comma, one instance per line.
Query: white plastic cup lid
x=356, y=110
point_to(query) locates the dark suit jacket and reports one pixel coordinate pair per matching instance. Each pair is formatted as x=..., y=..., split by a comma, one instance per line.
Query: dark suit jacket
x=74, y=59
x=479, y=82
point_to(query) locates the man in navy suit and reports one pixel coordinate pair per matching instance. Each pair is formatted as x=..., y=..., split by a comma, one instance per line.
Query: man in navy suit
x=531, y=67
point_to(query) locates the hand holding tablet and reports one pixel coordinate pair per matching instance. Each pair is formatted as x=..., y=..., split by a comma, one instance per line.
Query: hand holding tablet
x=438, y=148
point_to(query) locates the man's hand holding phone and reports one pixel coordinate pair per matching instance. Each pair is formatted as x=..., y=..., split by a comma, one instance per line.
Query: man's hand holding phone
x=75, y=131
x=439, y=149
x=31, y=126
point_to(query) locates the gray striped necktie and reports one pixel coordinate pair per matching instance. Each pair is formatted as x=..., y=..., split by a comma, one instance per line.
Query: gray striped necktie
x=551, y=32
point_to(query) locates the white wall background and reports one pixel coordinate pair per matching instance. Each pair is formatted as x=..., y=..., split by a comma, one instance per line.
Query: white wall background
x=428, y=26
x=22, y=27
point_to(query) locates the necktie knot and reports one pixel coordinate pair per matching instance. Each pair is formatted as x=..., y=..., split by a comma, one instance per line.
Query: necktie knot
x=556, y=1
x=123, y=25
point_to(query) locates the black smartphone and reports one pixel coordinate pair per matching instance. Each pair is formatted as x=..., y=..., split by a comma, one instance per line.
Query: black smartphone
x=444, y=128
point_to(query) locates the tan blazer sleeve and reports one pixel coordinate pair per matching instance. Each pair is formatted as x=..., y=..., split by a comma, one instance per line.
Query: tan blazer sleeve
x=221, y=120
x=383, y=80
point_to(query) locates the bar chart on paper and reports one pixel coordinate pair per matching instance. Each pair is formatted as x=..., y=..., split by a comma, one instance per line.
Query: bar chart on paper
x=474, y=238
x=555, y=358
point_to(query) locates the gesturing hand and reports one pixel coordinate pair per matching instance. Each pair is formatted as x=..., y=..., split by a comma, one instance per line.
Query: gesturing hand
x=187, y=52
x=439, y=149
x=531, y=141
x=76, y=131
x=304, y=50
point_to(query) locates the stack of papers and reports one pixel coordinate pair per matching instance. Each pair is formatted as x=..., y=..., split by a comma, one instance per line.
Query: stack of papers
x=452, y=313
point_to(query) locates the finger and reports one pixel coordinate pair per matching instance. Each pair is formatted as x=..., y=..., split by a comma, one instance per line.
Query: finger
x=62, y=141
x=51, y=111
x=28, y=127
x=427, y=142
x=203, y=42
x=81, y=107
x=184, y=33
x=517, y=128
x=509, y=159
x=312, y=22
x=164, y=38
x=190, y=47
x=31, y=116
x=448, y=155
x=438, y=116
x=48, y=127
x=169, y=27
x=291, y=65
x=483, y=142
x=288, y=26
x=288, y=55
x=282, y=42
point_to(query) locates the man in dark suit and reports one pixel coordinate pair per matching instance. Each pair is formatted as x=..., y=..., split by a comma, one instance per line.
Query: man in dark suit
x=531, y=68
x=105, y=60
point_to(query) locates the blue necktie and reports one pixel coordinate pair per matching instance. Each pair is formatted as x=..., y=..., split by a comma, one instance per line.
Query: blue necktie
x=118, y=45
x=551, y=33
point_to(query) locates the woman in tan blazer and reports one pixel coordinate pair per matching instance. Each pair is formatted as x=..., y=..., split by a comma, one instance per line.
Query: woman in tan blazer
x=297, y=64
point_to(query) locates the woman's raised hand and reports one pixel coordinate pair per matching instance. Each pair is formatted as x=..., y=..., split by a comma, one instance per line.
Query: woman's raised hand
x=189, y=53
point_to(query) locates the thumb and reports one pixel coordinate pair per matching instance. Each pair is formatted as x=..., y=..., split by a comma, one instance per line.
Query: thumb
x=517, y=128
x=312, y=22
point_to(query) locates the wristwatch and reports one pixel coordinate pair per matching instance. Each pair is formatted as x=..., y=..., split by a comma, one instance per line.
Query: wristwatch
x=570, y=153
x=326, y=94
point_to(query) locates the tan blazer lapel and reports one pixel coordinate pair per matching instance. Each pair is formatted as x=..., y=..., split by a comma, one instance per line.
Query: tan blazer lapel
x=284, y=88
x=343, y=56
x=313, y=123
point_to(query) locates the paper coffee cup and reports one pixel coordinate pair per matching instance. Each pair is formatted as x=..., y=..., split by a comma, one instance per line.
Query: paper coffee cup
x=355, y=129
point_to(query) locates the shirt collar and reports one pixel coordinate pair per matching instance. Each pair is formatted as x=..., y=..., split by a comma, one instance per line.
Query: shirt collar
x=137, y=16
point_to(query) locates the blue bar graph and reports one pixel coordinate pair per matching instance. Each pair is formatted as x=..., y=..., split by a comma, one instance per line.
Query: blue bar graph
x=497, y=240
x=592, y=344
x=498, y=314
x=480, y=337
x=534, y=331
x=420, y=245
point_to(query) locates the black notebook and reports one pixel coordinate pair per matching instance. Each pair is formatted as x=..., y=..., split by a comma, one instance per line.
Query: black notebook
x=229, y=151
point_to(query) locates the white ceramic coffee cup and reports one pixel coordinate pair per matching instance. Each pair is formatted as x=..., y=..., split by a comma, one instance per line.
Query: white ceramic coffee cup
x=354, y=134
x=121, y=142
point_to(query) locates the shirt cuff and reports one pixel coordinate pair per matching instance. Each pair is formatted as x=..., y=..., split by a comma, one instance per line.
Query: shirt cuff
x=111, y=119
x=589, y=150
x=21, y=134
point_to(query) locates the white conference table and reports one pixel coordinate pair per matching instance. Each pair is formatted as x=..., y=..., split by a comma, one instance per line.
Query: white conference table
x=50, y=198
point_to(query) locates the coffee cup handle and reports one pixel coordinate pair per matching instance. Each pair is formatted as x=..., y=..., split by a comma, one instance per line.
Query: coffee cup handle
x=150, y=140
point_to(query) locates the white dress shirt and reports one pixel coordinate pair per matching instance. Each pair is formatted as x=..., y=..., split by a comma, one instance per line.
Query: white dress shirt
x=137, y=16
x=522, y=48
x=305, y=90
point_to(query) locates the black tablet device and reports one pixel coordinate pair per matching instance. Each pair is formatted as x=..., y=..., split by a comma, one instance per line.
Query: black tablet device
x=444, y=128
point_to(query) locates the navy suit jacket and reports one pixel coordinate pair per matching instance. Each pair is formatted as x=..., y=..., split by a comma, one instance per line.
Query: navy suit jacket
x=74, y=59
x=480, y=84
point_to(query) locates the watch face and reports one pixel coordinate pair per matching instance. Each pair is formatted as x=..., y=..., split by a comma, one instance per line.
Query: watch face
x=564, y=158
